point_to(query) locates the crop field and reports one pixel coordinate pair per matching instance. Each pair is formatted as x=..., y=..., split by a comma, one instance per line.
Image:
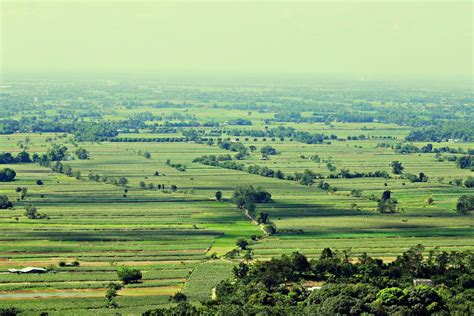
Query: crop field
x=166, y=222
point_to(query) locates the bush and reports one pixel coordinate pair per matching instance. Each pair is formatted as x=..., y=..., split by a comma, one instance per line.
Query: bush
x=465, y=204
x=7, y=175
x=469, y=183
x=4, y=202
x=129, y=275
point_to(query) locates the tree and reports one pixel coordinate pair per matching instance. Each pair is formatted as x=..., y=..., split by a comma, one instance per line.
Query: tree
x=112, y=289
x=268, y=150
x=387, y=204
x=129, y=275
x=7, y=175
x=423, y=177
x=469, y=182
x=82, y=154
x=39, y=182
x=32, y=213
x=386, y=195
x=262, y=218
x=465, y=204
x=23, y=193
x=122, y=181
x=142, y=185
x=245, y=197
x=397, y=167
x=218, y=196
x=465, y=162
x=430, y=200
x=4, y=202
x=242, y=243
x=174, y=188
x=23, y=157
x=56, y=152
x=178, y=297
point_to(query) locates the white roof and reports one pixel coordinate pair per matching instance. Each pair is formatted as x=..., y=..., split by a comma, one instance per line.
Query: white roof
x=28, y=269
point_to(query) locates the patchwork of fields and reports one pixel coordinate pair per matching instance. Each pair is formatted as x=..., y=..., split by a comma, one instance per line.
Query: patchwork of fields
x=165, y=220
x=168, y=235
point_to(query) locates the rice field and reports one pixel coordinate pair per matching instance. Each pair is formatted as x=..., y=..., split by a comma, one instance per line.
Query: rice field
x=171, y=236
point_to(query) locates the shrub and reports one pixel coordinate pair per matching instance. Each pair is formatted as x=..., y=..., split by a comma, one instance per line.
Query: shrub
x=129, y=275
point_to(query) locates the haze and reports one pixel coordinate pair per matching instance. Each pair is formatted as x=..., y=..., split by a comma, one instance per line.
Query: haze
x=313, y=38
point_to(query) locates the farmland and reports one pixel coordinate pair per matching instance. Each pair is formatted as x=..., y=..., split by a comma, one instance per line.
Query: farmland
x=165, y=220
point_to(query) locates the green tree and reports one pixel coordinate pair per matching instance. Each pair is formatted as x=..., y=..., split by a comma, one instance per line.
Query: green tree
x=56, y=152
x=465, y=204
x=7, y=175
x=242, y=243
x=82, y=154
x=469, y=182
x=397, y=167
x=4, y=202
x=218, y=196
x=129, y=275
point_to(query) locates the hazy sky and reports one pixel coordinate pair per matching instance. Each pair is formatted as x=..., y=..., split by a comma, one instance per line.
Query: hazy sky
x=383, y=38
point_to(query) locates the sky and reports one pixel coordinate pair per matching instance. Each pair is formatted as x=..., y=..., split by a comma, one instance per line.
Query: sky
x=346, y=38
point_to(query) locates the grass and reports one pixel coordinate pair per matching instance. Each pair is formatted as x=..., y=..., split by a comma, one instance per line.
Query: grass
x=170, y=236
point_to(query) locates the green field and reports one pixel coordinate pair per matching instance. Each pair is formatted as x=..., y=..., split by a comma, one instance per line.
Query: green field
x=179, y=240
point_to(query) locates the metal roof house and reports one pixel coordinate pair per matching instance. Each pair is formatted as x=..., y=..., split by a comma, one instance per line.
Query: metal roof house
x=28, y=270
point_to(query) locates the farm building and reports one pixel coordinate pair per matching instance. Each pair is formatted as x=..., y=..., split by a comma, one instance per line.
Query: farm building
x=28, y=270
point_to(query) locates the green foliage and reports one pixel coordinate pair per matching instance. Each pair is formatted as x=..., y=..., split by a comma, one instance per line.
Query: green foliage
x=465, y=204
x=7, y=175
x=397, y=167
x=5, y=202
x=129, y=275
x=268, y=150
x=82, y=154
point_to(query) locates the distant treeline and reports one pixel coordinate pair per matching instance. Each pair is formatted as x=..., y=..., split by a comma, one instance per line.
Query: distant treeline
x=460, y=130
x=82, y=131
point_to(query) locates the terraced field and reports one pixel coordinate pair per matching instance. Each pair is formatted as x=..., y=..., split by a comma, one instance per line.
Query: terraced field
x=174, y=237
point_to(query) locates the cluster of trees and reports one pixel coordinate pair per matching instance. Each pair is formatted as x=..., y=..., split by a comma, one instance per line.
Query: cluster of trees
x=59, y=167
x=347, y=174
x=246, y=197
x=148, y=139
x=31, y=212
x=5, y=202
x=283, y=132
x=439, y=132
x=117, y=181
x=239, y=148
x=465, y=204
x=82, y=154
x=151, y=186
x=21, y=157
x=465, y=162
x=421, y=177
x=350, y=287
x=7, y=175
x=397, y=168
x=308, y=177
x=386, y=203
x=177, y=166
x=268, y=150
x=82, y=130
